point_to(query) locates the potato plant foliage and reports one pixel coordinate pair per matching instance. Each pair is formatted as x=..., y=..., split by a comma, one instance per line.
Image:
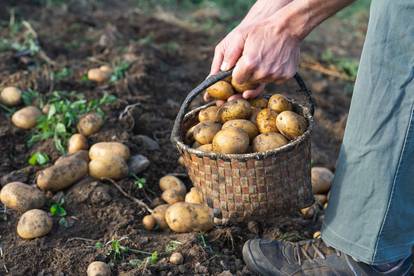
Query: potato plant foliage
x=64, y=111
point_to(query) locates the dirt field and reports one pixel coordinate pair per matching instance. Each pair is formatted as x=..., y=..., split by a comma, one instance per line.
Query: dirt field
x=167, y=59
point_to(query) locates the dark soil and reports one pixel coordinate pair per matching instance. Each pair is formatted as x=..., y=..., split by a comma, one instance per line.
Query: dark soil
x=168, y=60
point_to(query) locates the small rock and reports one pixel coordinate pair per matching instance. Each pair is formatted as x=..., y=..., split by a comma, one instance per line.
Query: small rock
x=138, y=163
x=100, y=195
x=225, y=273
x=182, y=269
x=147, y=142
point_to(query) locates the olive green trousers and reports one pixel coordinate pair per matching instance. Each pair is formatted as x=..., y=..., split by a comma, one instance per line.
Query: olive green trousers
x=371, y=210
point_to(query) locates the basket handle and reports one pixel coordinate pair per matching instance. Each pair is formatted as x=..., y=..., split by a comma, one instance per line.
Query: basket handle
x=215, y=78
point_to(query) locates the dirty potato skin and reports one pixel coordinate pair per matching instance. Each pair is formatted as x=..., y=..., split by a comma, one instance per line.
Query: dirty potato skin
x=246, y=125
x=11, y=96
x=90, y=124
x=22, y=197
x=184, y=217
x=149, y=222
x=112, y=167
x=211, y=113
x=98, y=268
x=236, y=109
x=204, y=132
x=82, y=154
x=76, y=143
x=279, y=103
x=159, y=216
x=171, y=182
x=321, y=180
x=220, y=90
x=195, y=196
x=231, y=140
x=268, y=141
x=172, y=196
x=241, y=87
x=34, y=223
x=266, y=121
x=259, y=102
x=290, y=124
x=62, y=175
x=26, y=118
x=104, y=150
x=206, y=148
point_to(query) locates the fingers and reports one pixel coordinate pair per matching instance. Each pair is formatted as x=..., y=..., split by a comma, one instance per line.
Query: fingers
x=234, y=97
x=220, y=102
x=206, y=97
x=217, y=59
x=250, y=94
x=244, y=70
x=232, y=55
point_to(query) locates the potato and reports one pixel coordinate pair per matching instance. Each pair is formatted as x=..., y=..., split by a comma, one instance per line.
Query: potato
x=206, y=148
x=204, y=132
x=76, y=143
x=241, y=87
x=90, y=124
x=22, y=197
x=279, y=103
x=26, y=118
x=82, y=154
x=112, y=166
x=243, y=124
x=321, y=199
x=231, y=140
x=34, y=223
x=98, y=75
x=253, y=116
x=176, y=258
x=11, y=96
x=189, y=136
x=186, y=217
x=194, y=196
x=308, y=212
x=290, y=124
x=172, y=195
x=321, y=180
x=268, y=141
x=63, y=174
x=106, y=68
x=149, y=222
x=236, y=109
x=171, y=182
x=220, y=90
x=98, y=268
x=159, y=216
x=317, y=235
x=266, y=121
x=104, y=150
x=259, y=102
x=209, y=114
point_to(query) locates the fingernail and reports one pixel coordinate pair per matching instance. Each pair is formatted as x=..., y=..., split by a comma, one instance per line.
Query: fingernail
x=224, y=66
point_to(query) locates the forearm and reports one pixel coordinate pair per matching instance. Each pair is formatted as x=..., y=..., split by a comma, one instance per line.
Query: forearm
x=263, y=9
x=302, y=16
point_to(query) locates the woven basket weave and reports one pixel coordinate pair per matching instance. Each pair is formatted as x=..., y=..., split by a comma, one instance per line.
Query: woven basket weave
x=242, y=186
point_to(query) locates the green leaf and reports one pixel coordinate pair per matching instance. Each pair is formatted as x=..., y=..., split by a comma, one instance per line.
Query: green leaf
x=154, y=257
x=99, y=245
x=38, y=158
x=64, y=222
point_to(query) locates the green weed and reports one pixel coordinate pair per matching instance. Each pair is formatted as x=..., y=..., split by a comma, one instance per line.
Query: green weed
x=119, y=71
x=64, y=73
x=38, y=158
x=172, y=246
x=57, y=210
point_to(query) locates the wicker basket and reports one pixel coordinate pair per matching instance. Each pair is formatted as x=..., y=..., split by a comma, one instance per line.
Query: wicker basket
x=241, y=186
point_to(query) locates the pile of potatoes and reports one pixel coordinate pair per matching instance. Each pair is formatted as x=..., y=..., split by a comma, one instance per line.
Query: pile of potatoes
x=321, y=184
x=182, y=211
x=240, y=126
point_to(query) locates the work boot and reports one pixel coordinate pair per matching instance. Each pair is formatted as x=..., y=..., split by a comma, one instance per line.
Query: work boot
x=312, y=257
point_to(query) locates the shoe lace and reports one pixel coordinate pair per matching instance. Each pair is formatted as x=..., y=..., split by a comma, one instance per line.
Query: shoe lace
x=312, y=249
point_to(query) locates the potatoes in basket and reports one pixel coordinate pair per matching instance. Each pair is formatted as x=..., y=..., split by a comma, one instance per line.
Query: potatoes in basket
x=246, y=125
x=236, y=109
x=209, y=114
x=268, y=141
x=204, y=132
x=194, y=196
x=231, y=140
x=291, y=124
x=206, y=148
x=279, y=103
x=241, y=87
x=266, y=121
x=259, y=102
x=221, y=90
